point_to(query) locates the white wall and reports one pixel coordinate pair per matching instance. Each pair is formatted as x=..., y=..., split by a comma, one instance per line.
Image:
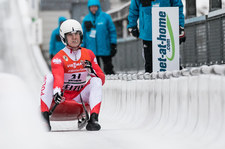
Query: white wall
x=186, y=107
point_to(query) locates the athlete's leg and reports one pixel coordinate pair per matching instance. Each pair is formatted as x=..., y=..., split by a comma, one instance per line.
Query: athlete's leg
x=92, y=94
x=46, y=98
x=47, y=93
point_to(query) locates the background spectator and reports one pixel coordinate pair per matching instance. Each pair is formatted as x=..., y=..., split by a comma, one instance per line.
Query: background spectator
x=55, y=44
x=142, y=10
x=100, y=35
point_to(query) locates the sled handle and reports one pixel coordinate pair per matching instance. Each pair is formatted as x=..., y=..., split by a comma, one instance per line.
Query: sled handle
x=53, y=108
x=85, y=110
x=55, y=105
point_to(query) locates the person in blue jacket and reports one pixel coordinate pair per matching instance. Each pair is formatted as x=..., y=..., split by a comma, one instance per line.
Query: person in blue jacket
x=142, y=10
x=99, y=35
x=55, y=44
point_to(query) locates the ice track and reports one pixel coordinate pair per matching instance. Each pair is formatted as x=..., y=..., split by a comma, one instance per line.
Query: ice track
x=177, y=110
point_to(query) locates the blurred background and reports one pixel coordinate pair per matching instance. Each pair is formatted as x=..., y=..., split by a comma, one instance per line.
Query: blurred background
x=203, y=27
x=204, y=31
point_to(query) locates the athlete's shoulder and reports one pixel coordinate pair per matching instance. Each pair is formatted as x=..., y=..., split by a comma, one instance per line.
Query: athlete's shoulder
x=87, y=51
x=60, y=53
x=58, y=58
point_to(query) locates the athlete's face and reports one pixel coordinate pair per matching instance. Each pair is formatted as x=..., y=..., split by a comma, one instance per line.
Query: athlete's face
x=73, y=39
x=93, y=9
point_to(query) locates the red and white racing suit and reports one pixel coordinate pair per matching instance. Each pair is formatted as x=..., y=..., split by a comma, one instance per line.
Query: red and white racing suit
x=70, y=77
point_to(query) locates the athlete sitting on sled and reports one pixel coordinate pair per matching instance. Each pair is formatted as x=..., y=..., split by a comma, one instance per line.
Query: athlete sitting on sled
x=70, y=69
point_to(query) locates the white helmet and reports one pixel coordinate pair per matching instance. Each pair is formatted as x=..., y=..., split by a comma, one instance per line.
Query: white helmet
x=70, y=26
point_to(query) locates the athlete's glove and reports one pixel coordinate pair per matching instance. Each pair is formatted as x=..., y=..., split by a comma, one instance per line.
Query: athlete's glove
x=87, y=64
x=134, y=31
x=182, y=36
x=113, y=49
x=58, y=98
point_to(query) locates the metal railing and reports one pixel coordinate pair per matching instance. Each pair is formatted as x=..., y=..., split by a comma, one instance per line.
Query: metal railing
x=205, y=40
x=190, y=72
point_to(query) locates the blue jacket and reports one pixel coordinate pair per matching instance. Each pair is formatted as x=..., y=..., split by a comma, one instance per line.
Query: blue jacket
x=144, y=14
x=105, y=35
x=56, y=44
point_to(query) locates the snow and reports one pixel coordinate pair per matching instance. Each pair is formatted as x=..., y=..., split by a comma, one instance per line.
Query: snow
x=20, y=121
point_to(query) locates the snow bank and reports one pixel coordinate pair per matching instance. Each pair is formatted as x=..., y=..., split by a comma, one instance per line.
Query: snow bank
x=20, y=125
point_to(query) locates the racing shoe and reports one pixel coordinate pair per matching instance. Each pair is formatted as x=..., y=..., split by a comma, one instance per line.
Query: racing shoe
x=93, y=123
x=46, y=118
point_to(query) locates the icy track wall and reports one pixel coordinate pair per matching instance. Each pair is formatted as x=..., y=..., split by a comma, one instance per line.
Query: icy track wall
x=187, y=105
x=20, y=125
x=20, y=55
x=22, y=70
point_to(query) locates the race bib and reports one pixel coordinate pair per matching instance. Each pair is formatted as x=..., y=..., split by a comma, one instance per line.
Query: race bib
x=74, y=82
x=93, y=33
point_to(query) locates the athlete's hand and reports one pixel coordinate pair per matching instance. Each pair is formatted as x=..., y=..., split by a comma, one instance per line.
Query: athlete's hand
x=87, y=64
x=58, y=98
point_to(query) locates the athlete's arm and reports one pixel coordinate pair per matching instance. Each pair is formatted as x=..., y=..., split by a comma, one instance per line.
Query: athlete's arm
x=58, y=73
x=98, y=71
